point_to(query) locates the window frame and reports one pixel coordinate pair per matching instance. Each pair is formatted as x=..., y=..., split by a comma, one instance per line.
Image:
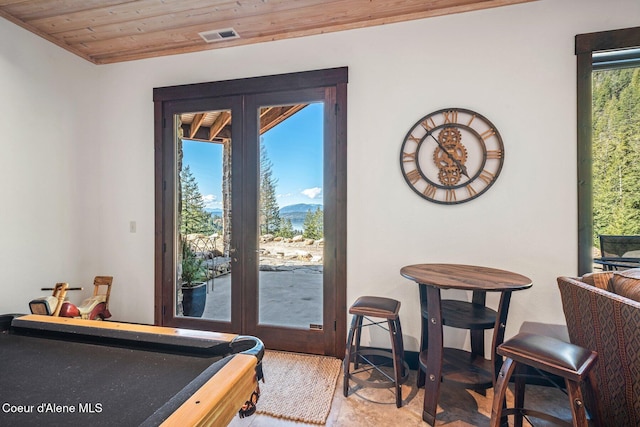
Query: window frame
x=585, y=46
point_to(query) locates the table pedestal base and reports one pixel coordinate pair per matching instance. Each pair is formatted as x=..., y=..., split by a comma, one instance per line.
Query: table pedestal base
x=463, y=368
x=427, y=417
x=471, y=370
x=459, y=367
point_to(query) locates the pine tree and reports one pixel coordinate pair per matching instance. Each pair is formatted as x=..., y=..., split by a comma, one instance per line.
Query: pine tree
x=313, y=225
x=286, y=228
x=616, y=152
x=269, y=209
x=194, y=219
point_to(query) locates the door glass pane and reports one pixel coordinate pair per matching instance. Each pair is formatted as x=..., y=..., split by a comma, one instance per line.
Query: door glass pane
x=203, y=212
x=291, y=244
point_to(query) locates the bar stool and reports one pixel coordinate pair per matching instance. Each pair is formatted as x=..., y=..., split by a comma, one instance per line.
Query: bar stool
x=548, y=354
x=364, y=308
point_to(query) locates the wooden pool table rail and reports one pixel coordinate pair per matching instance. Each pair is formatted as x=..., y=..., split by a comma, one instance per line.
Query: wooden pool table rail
x=125, y=327
x=218, y=401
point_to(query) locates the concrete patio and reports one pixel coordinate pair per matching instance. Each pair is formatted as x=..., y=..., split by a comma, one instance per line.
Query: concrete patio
x=288, y=297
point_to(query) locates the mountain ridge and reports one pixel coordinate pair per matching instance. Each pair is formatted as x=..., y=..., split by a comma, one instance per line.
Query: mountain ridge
x=300, y=207
x=289, y=209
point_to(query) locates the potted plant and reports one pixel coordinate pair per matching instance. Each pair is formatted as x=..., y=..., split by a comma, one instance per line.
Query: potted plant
x=194, y=286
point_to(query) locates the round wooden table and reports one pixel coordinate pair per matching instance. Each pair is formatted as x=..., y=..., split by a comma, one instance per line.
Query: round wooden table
x=471, y=369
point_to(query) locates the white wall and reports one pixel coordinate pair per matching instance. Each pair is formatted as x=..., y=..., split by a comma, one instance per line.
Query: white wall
x=42, y=89
x=515, y=65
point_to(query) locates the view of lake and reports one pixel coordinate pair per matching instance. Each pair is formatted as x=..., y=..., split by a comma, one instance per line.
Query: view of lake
x=296, y=213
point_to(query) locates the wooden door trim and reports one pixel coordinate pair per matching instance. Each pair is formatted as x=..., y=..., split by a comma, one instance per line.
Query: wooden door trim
x=254, y=85
x=338, y=346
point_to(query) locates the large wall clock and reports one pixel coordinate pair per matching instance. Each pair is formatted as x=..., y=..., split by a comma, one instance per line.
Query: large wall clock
x=452, y=156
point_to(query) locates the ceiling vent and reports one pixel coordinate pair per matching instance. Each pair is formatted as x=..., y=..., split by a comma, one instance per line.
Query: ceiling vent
x=219, y=35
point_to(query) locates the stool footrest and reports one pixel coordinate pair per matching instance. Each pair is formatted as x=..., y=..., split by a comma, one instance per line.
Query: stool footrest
x=377, y=383
x=536, y=414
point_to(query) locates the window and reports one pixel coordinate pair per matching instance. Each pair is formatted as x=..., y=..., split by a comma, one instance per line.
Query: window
x=595, y=51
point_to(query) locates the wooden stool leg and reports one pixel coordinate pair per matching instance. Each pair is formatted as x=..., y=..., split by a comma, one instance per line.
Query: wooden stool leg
x=348, y=356
x=520, y=384
x=401, y=347
x=591, y=400
x=396, y=349
x=577, y=404
x=356, y=360
x=500, y=391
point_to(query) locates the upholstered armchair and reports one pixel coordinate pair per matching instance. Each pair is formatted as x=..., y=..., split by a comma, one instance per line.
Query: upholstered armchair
x=603, y=314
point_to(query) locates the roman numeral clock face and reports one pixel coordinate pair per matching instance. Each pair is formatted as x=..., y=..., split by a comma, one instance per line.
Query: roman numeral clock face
x=451, y=156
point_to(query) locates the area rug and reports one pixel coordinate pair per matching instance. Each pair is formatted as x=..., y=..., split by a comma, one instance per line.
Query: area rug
x=298, y=387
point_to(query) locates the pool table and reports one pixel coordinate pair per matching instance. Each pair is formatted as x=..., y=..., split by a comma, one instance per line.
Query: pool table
x=64, y=371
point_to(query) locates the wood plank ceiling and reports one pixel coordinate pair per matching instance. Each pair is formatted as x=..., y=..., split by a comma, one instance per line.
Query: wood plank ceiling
x=215, y=126
x=108, y=31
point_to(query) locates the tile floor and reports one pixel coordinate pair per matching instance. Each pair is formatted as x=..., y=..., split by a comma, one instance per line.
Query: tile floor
x=369, y=407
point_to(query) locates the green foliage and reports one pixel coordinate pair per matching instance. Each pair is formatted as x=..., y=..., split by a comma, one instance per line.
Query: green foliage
x=269, y=209
x=313, y=225
x=193, y=268
x=213, y=224
x=616, y=152
x=286, y=228
x=194, y=219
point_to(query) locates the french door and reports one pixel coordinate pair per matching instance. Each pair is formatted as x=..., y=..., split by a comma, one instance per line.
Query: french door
x=236, y=164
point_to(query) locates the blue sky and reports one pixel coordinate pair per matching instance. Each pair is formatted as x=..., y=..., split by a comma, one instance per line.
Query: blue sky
x=294, y=148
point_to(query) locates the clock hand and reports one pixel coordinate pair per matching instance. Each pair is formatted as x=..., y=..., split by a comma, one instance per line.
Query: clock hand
x=463, y=168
